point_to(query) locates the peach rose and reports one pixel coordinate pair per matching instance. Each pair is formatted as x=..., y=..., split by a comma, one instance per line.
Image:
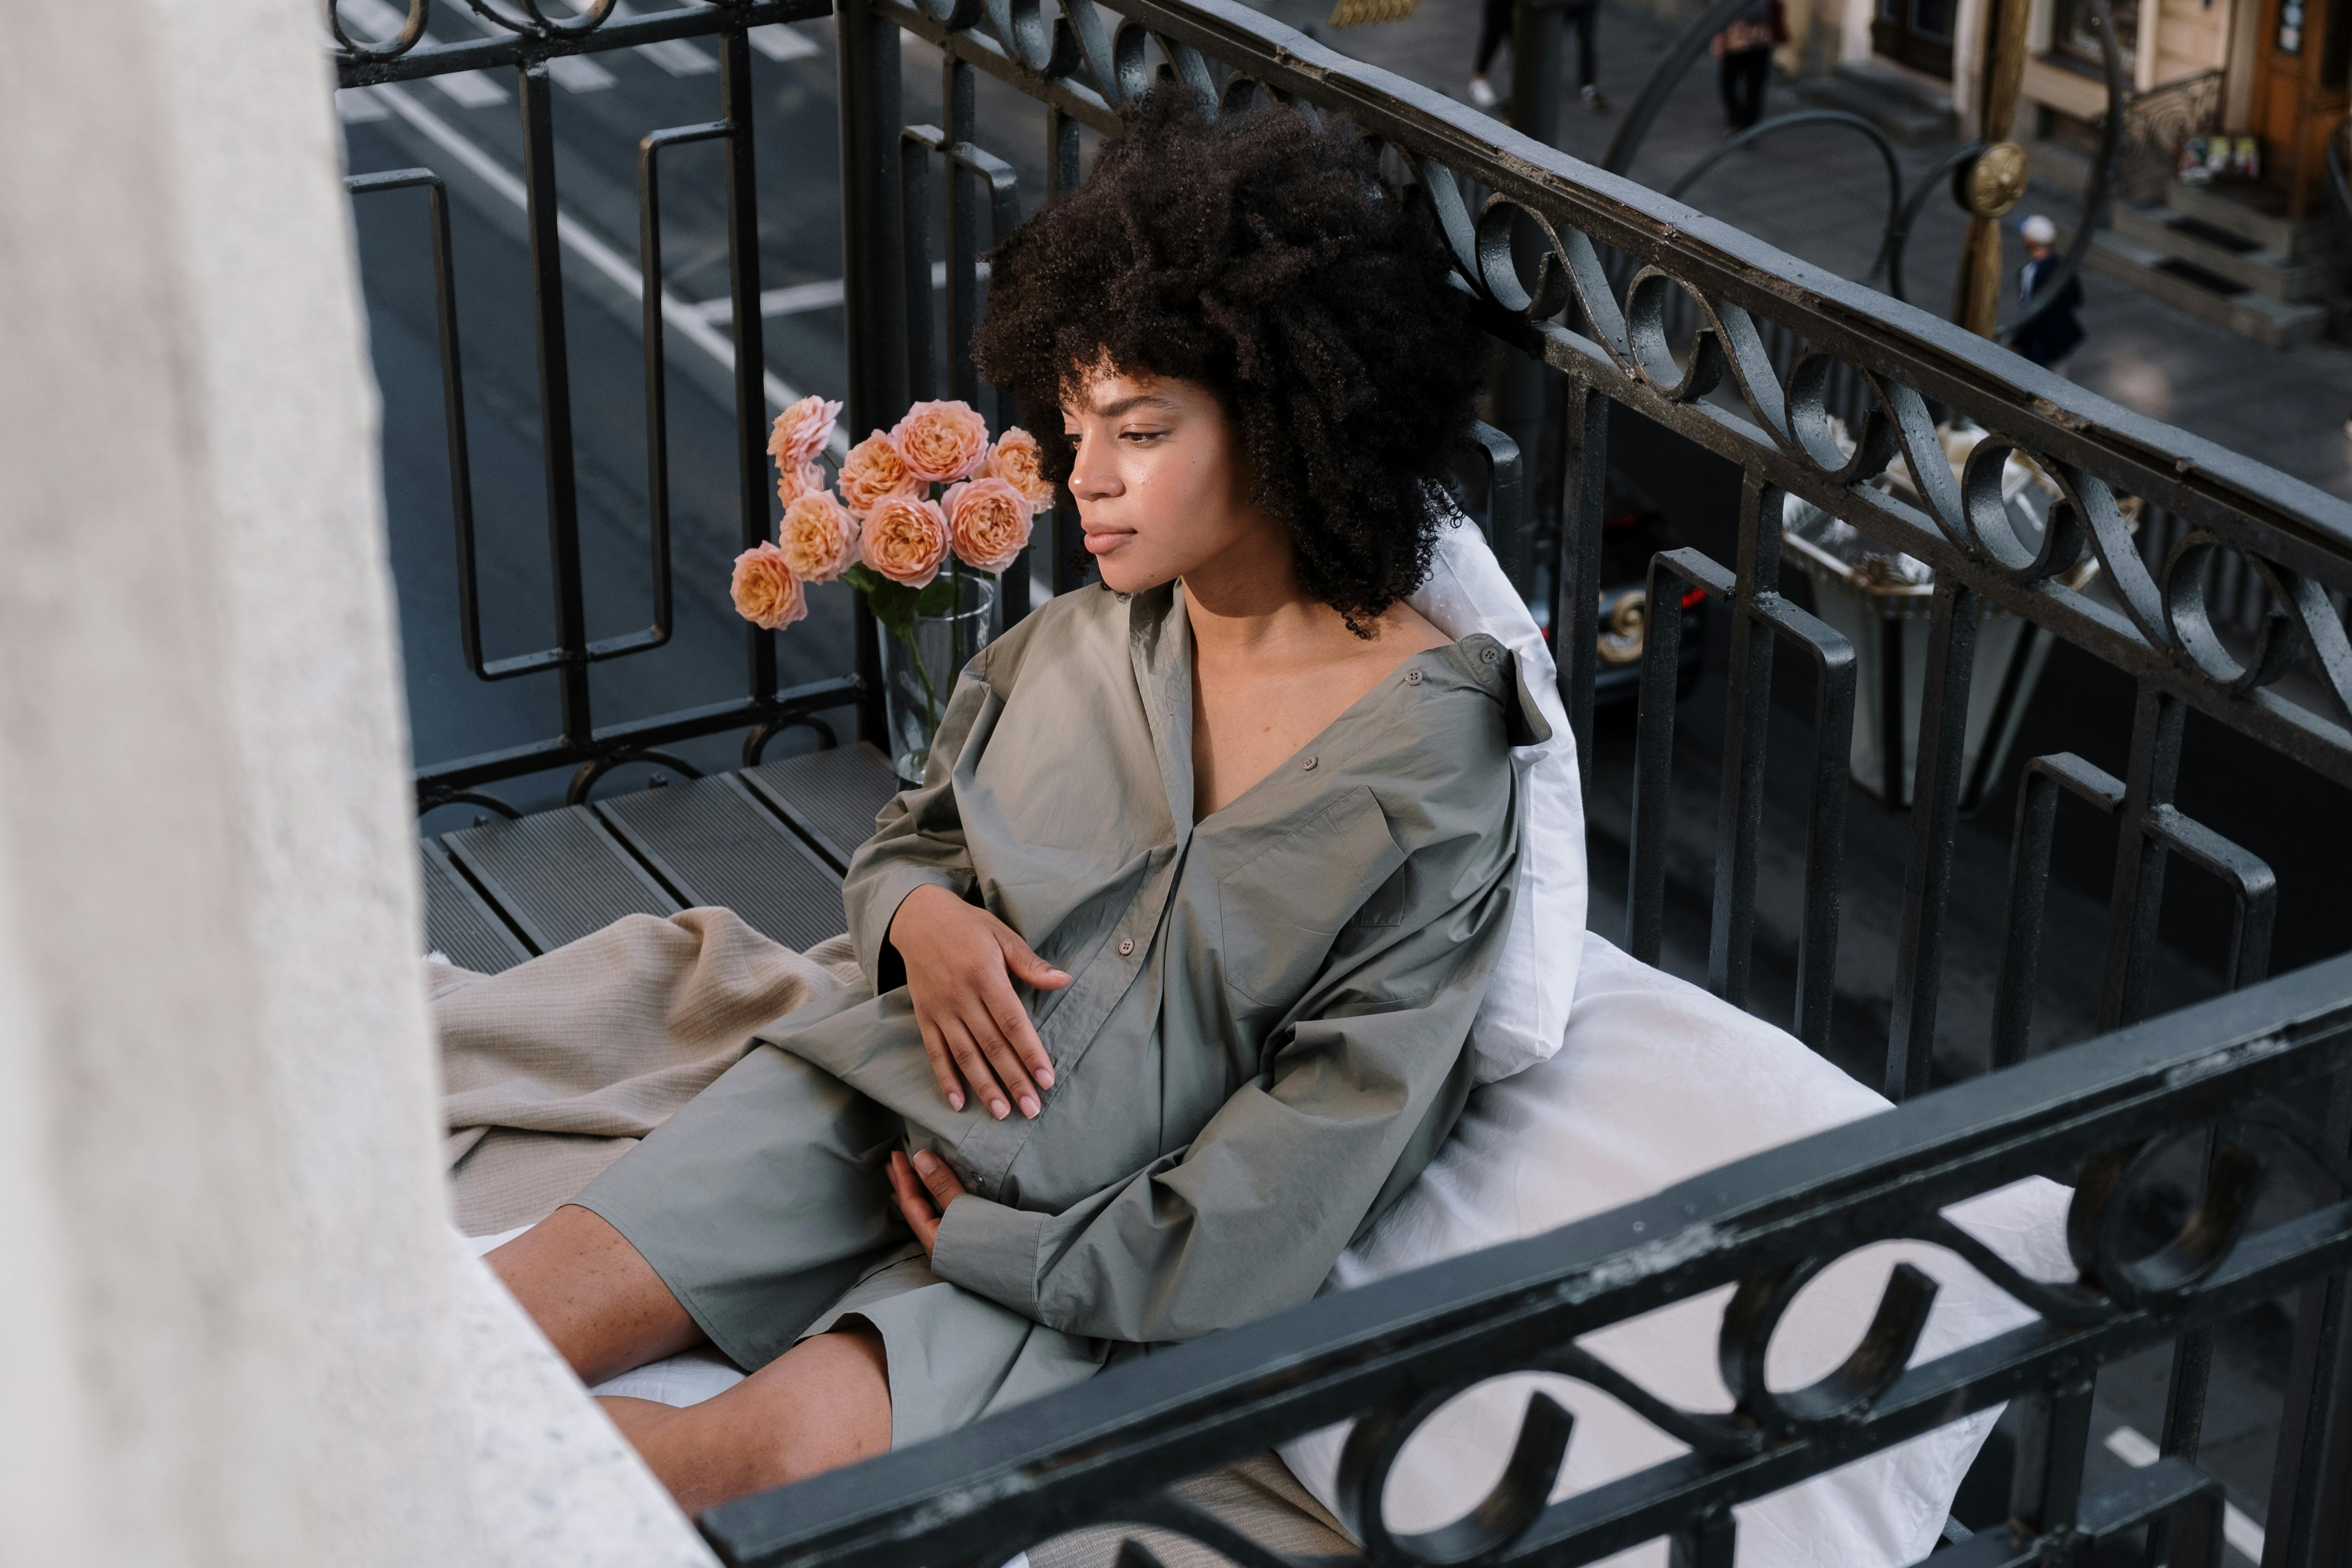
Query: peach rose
x=766, y=592
x=793, y=483
x=988, y=522
x=801, y=432
x=941, y=441
x=873, y=472
x=1017, y=459
x=819, y=537
x=904, y=539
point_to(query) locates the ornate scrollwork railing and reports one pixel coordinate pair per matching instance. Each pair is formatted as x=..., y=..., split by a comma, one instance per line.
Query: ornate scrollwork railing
x=2245, y=1075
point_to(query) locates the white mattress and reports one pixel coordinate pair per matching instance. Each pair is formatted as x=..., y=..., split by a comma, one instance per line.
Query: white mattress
x=1655, y=1081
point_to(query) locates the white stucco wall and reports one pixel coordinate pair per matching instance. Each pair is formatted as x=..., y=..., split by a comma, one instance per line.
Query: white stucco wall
x=234, y=1329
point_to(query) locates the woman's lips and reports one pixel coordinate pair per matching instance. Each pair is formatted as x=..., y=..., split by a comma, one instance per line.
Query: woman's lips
x=1103, y=541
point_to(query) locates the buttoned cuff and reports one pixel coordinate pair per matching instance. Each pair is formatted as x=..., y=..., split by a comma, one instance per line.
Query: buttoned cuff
x=889, y=889
x=991, y=1250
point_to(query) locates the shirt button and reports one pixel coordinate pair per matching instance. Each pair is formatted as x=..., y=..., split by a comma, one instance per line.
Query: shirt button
x=1308, y=766
x=1412, y=677
x=1488, y=655
x=1125, y=945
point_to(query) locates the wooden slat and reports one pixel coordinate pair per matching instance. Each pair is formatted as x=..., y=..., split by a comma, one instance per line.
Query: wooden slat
x=713, y=843
x=829, y=797
x=558, y=875
x=458, y=924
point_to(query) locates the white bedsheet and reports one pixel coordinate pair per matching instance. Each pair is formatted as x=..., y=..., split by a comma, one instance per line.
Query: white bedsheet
x=1656, y=1081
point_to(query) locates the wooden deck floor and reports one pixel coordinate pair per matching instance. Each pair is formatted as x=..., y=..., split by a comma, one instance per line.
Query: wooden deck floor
x=769, y=843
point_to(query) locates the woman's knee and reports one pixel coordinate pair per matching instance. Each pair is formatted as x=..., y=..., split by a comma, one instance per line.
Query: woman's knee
x=593, y=1294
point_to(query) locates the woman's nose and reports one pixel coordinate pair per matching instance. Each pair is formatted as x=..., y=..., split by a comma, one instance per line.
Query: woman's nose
x=1092, y=477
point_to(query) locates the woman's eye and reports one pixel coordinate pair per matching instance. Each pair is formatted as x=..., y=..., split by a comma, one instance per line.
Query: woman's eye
x=1141, y=436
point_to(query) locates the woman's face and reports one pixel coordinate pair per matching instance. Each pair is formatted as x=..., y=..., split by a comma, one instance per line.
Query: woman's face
x=1161, y=483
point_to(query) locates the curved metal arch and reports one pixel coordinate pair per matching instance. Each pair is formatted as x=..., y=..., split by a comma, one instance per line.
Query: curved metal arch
x=1796, y=119
x=1904, y=212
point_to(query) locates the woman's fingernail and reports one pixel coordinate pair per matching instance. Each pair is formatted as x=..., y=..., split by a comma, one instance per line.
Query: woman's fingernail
x=955, y=1100
x=1028, y=1105
x=1045, y=1077
x=923, y=1161
x=1000, y=1108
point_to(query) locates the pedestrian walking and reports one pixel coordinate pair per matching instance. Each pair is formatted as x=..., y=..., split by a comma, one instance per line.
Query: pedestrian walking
x=1494, y=26
x=2055, y=334
x=1743, y=53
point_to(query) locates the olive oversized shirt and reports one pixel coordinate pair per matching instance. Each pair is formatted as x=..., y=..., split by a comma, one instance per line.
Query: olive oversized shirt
x=1263, y=1038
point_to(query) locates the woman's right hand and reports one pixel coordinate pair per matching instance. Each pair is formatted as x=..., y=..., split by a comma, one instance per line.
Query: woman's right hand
x=960, y=963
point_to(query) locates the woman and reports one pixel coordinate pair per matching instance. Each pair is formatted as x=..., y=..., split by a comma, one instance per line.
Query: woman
x=1173, y=955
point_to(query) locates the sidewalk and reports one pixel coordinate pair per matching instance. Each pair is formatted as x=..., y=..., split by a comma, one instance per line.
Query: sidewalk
x=1822, y=196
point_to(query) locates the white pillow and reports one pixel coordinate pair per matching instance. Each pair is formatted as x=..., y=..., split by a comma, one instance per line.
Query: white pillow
x=1658, y=1081
x=1526, y=1010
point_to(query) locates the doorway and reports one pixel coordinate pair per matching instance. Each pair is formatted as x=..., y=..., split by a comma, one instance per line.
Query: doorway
x=1918, y=34
x=2300, y=69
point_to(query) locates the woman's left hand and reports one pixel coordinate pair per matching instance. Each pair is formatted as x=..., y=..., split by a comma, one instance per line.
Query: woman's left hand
x=924, y=1187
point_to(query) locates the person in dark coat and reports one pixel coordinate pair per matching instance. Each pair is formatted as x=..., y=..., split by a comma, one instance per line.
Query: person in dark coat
x=2051, y=336
x=1744, y=56
x=1494, y=26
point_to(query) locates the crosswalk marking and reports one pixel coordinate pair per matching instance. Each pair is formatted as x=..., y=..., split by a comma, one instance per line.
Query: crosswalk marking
x=358, y=106
x=677, y=55
x=379, y=21
x=683, y=317
x=2244, y=1536
x=799, y=298
x=578, y=73
x=779, y=42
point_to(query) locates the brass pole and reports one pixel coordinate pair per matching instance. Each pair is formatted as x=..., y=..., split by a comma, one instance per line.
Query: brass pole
x=1991, y=184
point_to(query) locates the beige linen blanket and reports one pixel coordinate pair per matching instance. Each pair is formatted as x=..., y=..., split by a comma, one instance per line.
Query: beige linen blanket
x=554, y=1068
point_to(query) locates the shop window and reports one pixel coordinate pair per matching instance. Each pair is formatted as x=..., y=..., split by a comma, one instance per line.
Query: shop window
x=2074, y=35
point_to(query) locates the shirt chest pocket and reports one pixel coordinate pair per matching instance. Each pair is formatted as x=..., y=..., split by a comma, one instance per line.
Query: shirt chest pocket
x=1280, y=910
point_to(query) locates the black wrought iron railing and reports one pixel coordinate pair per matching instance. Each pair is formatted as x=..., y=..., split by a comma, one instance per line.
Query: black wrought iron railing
x=1743, y=354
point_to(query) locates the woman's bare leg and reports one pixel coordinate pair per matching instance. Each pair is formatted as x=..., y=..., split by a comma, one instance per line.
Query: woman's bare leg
x=594, y=1297
x=823, y=1404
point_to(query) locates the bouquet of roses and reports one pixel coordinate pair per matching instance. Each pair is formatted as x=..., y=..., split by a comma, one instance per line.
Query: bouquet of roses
x=932, y=491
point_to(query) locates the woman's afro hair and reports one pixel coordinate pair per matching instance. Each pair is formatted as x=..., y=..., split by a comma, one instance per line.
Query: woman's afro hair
x=1257, y=254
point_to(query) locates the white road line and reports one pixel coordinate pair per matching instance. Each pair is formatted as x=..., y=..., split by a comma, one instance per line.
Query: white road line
x=358, y=106
x=379, y=21
x=2244, y=1536
x=684, y=318
x=779, y=42
x=799, y=298
x=675, y=56
x=578, y=73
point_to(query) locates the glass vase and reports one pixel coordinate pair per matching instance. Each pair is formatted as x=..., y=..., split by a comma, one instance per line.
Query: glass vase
x=919, y=670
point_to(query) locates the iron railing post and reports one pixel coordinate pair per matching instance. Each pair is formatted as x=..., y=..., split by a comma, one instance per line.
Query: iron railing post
x=1935, y=825
x=1576, y=562
x=735, y=97
x=866, y=45
x=536, y=96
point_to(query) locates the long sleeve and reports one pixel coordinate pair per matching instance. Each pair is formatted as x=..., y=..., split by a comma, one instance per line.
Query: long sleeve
x=918, y=840
x=1359, y=1093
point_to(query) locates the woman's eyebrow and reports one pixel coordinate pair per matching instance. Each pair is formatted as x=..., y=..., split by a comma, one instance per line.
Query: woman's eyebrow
x=1141, y=400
